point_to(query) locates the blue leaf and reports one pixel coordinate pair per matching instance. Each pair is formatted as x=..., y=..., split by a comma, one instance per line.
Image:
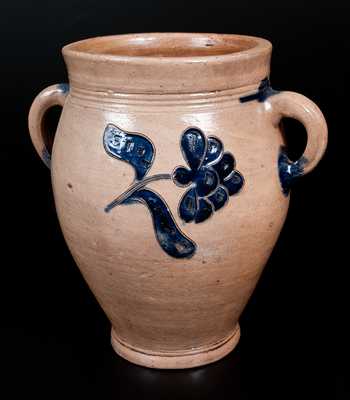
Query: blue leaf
x=133, y=148
x=234, y=183
x=205, y=210
x=188, y=205
x=194, y=147
x=219, y=198
x=169, y=236
x=214, y=150
x=206, y=181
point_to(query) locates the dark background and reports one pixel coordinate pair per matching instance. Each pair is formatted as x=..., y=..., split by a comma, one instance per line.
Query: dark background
x=54, y=336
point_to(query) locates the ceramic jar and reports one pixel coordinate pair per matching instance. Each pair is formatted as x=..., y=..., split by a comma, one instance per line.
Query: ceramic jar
x=171, y=183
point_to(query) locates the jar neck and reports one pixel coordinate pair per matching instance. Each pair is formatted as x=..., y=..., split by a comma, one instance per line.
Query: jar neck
x=109, y=98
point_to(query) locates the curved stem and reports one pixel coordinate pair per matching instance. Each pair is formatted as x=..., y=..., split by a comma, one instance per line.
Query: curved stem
x=132, y=189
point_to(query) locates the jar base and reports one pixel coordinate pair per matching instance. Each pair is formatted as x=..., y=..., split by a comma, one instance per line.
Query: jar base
x=176, y=360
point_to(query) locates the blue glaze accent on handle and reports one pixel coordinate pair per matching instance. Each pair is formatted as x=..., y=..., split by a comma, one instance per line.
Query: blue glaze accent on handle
x=168, y=234
x=133, y=148
x=46, y=156
x=264, y=91
x=288, y=170
x=63, y=87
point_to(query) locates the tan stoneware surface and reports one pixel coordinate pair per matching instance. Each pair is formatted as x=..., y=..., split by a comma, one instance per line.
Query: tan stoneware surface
x=169, y=312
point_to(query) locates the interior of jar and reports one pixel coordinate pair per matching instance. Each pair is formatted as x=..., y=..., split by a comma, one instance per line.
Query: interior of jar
x=165, y=45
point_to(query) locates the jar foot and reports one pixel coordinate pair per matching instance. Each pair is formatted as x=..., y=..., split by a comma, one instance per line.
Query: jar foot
x=176, y=360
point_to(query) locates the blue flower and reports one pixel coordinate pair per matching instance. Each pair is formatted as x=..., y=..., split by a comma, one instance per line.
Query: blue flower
x=211, y=176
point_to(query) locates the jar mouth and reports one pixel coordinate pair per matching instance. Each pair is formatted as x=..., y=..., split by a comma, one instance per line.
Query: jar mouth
x=165, y=45
x=167, y=62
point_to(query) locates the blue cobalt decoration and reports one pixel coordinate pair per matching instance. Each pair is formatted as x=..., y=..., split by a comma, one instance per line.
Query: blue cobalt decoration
x=139, y=151
x=211, y=174
x=264, y=91
x=211, y=178
x=133, y=148
x=168, y=234
x=288, y=170
x=63, y=87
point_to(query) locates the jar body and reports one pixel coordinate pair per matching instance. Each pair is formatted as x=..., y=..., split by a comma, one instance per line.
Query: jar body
x=171, y=182
x=157, y=304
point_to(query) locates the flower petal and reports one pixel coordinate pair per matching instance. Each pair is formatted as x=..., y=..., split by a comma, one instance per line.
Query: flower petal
x=188, y=205
x=235, y=183
x=225, y=166
x=214, y=150
x=219, y=198
x=182, y=176
x=194, y=147
x=206, y=181
x=205, y=210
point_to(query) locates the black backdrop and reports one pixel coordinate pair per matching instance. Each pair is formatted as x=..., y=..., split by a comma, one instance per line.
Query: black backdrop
x=54, y=336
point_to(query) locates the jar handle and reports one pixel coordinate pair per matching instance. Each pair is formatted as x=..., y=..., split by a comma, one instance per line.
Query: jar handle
x=54, y=95
x=299, y=107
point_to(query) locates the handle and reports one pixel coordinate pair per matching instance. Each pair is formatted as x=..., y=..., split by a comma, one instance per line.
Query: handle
x=299, y=107
x=54, y=95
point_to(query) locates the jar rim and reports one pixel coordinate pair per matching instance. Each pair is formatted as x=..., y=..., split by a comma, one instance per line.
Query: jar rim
x=166, y=46
x=168, y=62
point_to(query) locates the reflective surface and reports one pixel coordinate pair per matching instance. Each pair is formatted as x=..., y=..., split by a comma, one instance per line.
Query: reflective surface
x=47, y=366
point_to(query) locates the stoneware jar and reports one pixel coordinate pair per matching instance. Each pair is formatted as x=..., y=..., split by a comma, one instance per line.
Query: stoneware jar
x=171, y=183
